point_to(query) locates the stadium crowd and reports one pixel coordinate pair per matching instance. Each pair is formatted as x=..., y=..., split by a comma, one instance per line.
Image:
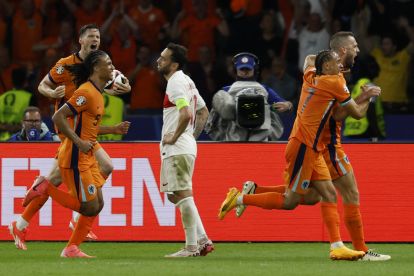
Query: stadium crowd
x=35, y=34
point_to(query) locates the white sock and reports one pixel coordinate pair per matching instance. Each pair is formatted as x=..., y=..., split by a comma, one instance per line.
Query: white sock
x=188, y=218
x=21, y=223
x=201, y=232
x=337, y=244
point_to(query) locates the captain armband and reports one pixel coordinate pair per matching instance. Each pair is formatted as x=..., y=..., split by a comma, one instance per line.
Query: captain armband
x=180, y=103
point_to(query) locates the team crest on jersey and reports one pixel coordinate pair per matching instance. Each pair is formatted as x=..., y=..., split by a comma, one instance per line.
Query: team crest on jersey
x=91, y=189
x=305, y=184
x=60, y=69
x=81, y=100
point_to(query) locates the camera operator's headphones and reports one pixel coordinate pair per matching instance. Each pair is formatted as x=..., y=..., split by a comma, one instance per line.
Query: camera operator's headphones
x=248, y=55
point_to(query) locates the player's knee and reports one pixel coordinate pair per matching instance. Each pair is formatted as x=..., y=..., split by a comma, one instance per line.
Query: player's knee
x=91, y=208
x=172, y=198
x=101, y=205
x=351, y=197
x=330, y=196
x=55, y=178
x=290, y=204
x=107, y=168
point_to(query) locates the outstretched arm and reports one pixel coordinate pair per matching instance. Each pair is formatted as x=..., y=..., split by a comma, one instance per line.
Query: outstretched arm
x=121, y=128
x=357, y=108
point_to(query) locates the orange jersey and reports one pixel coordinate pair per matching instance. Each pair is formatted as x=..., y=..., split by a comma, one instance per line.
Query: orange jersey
x=59, y=75
x=318, y=96
x=87, y=105
x=332, y=132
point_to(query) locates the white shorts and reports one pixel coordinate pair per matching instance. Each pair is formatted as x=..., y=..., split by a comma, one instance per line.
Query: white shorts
x=177, y=172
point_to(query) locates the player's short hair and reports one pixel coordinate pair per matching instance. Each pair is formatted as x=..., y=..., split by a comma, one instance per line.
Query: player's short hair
x=322, y=57
x=338, y=39
x=86, y=27
x=178, y=54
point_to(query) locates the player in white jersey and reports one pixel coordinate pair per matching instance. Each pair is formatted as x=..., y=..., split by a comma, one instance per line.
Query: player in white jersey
x=185, y=114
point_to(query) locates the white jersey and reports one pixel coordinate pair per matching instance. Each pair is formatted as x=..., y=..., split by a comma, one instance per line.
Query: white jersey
x=180, y=86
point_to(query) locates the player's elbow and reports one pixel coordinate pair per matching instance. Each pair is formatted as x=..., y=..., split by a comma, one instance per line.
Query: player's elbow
x=358, y=115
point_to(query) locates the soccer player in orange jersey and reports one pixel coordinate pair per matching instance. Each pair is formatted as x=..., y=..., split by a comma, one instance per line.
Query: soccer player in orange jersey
x=340, y=168
x=343, y=178
x=77, y=163
x=58, y=85
x=323, y=87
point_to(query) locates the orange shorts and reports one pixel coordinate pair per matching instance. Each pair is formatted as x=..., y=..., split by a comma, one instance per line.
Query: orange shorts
x=83, y=184
x=95, y=148
x=337, y=161
x=303, y=165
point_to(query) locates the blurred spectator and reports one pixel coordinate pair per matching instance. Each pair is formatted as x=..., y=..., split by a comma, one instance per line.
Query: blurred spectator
x=146, y=93
x=152, y=24
x=44, y=103
x=393, y=63
x=27, y=31
x=33, y=128
x=372, y=126
x=269, y=41
x=197, y=30
x=244, y=21
x=52, y=17
x=207, y=74
x=312, y=38
x=13, y=104
x=64, y=44
x=246, y=110
x=114, y=114
x=89, y=11
x=6, y=68
x=121, y=39
x=279, y=80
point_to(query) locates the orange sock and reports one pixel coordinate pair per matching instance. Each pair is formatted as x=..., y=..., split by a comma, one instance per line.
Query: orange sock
x=265, y=200
x=270, y=189
x=353, y=222
x=83, y=227
x=33, y=207
x=63, y=198
x=331, y=219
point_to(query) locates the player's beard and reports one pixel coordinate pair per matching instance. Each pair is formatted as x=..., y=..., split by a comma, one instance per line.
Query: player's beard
x=348, y=62
x=165, y=71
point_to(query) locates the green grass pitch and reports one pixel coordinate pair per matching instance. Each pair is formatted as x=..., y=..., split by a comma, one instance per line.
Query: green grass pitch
x=42, y=258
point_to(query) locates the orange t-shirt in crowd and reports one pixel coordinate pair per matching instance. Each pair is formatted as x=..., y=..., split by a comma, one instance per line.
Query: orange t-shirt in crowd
x=26, y=33
x=87, y=105
x=84, y=18
x=251, y=7
x=317, y=99
x=149, y=25
x=200, y=32
x=123, y=56
x=146, y=92
x=187, y=6
x=3, y=30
